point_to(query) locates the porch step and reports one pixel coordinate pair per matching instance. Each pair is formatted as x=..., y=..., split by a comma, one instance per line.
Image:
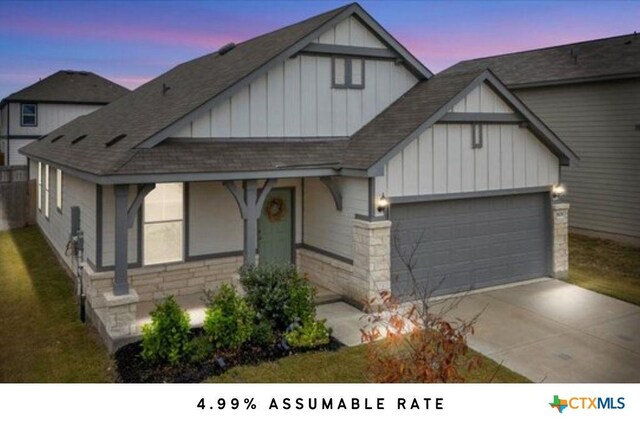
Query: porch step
x=325, y=296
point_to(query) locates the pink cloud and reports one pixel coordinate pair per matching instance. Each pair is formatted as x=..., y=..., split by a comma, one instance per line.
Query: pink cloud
x=130, y=81
x=94, y=30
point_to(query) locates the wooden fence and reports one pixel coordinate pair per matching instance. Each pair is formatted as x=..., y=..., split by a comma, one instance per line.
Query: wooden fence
x=17, y=197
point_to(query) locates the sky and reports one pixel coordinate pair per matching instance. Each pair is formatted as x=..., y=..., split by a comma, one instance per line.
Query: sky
x=132, y=42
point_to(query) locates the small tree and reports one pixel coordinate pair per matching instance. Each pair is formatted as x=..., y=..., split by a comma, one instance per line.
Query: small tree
x=419, y=345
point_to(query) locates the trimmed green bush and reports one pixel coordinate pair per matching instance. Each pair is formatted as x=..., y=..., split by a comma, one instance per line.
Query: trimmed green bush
x=166, y=339
x=309, y=335
x=228, y=321
x=263, y=335
x=200, y=348
x=279, y=295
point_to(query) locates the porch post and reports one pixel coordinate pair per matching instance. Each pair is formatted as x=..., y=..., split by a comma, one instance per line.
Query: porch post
x=250, y=221
x=121, y=284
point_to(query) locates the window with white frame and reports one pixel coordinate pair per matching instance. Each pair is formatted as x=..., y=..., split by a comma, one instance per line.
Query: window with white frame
x=28, y=115
x=39, y=189
x=59, y=190
x=164, y=224
x=348, y=73
x=46, y=191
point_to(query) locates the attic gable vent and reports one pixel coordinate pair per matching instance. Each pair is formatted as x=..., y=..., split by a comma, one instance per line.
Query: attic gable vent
x=78, y=139
x=115, y=140
x=57, y=138
x=226, y=48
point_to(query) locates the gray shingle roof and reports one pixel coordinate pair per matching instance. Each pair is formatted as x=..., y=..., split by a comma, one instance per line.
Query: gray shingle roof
x=597, y=59
x=70, y=87
x=150, y=108
x=240, y=155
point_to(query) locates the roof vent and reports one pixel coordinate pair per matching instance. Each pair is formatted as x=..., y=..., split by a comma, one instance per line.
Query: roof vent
x=78, y=139
x=42, y=137
x=165, y=88
x=115, y=140
x=226, y=48
x=57, y=138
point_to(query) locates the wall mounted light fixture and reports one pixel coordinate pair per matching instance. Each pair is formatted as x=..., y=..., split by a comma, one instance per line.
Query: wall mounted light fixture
x=383, y=203
x=558, y=191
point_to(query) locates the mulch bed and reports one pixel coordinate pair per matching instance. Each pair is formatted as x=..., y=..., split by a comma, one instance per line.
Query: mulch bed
x=132, y=368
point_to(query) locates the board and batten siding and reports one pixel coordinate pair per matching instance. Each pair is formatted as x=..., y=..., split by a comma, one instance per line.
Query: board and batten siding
x=57, y=228
x=350, y=32
x=14, y=158
x=327, y=228
x=295, y=99
x=599, y=122
x=482, y=99
x=215, y=223
x=442, y=161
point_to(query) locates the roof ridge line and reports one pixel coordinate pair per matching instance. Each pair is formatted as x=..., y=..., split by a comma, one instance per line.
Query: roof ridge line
x=538, y=49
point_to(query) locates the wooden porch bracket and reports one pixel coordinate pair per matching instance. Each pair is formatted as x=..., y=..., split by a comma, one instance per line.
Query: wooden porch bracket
x=334, y=189
x=143, y=191
x=250, y=201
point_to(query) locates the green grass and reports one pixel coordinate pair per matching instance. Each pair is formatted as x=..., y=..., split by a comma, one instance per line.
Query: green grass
x=41, y=337
x=606, y=267
x=346, y=365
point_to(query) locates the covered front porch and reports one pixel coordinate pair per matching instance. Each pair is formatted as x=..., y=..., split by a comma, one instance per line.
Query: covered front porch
x=183, y=238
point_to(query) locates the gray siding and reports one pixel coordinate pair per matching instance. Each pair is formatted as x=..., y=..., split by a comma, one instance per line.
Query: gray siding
x=327, y=228
x=598, y=121
x=108, y=227
x=76, y=192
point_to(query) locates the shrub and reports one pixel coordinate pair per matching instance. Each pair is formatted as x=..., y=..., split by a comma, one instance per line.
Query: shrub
x=228, y=319
x=200, y=348
x=309, y=335
x=166, y=339
x=263, y=335
x=279, y=294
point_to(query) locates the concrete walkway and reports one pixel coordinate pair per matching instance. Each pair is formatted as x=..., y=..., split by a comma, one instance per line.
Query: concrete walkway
x=547, y=330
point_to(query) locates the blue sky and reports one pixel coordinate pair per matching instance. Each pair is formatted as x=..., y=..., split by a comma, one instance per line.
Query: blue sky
x=132, y=42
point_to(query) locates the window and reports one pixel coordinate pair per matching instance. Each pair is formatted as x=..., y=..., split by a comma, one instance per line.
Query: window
x=163, y=224
x=59, y=190
x=28, y=115
x=46, y=191
x=348, y=73
x=39, y=191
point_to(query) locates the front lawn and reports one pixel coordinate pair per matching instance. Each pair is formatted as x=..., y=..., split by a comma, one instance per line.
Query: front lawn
x=346, y=365
x=605, y=266
x=41, y=337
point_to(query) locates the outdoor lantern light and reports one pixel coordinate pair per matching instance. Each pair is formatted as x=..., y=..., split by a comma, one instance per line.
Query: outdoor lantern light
x=558, y=191
x=383, y=203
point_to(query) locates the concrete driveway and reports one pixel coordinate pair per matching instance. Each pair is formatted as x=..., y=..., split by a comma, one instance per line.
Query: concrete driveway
x=546, y=330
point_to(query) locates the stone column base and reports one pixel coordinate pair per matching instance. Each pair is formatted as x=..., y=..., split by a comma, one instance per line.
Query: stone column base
x=118, y=317
x=560, y=226
x=371, y=258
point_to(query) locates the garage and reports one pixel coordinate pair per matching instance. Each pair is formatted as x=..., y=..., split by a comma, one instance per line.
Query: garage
x=469, y=244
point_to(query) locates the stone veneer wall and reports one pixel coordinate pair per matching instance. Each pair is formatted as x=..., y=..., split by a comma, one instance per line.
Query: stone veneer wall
x=327, y=272
x=115, y=316
x=371, y=258
x=560, y=224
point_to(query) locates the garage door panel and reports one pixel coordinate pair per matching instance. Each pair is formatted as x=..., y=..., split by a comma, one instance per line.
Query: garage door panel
x=471, y=243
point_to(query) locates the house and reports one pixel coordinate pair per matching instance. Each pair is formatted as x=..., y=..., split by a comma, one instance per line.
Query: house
x=589, y=95
x=288, y=148
x=46, y=105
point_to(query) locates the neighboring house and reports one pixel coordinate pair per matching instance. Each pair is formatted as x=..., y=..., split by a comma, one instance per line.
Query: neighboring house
x=287, y=147
x=46, y=105
x=589, y=95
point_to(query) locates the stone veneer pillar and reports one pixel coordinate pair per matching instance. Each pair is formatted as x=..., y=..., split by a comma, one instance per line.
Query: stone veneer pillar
x=371, y=258
x=118, y=316
x=560, y=223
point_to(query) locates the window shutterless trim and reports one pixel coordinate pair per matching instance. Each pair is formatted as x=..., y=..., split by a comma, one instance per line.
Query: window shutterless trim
x=348, y=73
x=35, y=115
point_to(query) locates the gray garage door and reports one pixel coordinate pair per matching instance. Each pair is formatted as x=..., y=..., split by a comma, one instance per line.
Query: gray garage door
x=466, y=244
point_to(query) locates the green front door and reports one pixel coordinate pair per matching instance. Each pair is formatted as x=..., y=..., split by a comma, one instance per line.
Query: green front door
x=275, y=228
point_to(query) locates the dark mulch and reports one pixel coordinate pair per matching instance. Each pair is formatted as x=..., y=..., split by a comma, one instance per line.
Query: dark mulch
x=131, y=368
